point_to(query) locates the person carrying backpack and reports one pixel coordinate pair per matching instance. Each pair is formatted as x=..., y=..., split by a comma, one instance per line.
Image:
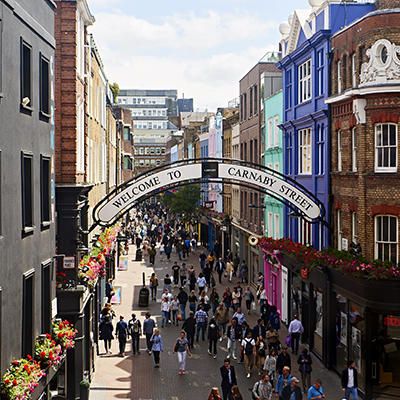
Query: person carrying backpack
x=249, y=350
x=135, y=330
x=262, y=390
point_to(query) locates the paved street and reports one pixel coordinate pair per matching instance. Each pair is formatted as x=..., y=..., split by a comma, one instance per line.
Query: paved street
x=134, y=377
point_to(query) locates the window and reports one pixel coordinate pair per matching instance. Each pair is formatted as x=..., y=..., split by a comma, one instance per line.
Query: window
x=255, y=143
x=339, y=151
x=27, y=313
x=386, y=238
x=353, y=70
x=320, y=72
x=251, y=151
x=354, y=150
x=27, y=191
x=304, y=231
x=245, y=106
x=255, y=94
x=354, y=227
x=270, y=226
x=251, y=102
x=339, y=77
x=339, y=228
x=276, y=226
x=44, y=82
x=386, y=148
x=288, y=89
x=277, y=167
x=241, y=108
x=305, y=81
x=270, y=133
x=45, y=171
x=320, y=149
x=46, y=297
x=1, y=195
x=289, y=150
x=305, y=158
x=26, y=75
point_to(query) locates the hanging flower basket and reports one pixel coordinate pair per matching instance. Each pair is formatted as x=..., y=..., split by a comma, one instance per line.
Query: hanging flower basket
x=64, y=334
x=47, y=352
x=304, y=273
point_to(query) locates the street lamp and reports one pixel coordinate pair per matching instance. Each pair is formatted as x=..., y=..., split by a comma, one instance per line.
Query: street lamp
x=121, y=238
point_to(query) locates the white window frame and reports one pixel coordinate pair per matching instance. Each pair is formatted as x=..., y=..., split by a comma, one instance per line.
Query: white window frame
x=382, y=242
x=270, y=133
x=354, y=149
x=385, y=147
x=354, y=227
x=305, y=151
x=354, y=70
x=305, y=82
x=276, y=131
x=277, y=167
x=270, y=225
x=339, y=76
x=320, y=72
x=339, y=151
x=304, y=231
x=339, y=228
x=320, y=146
x=277, y=223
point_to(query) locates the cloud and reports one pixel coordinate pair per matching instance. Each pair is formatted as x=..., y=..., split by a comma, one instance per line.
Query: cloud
x=203, y=54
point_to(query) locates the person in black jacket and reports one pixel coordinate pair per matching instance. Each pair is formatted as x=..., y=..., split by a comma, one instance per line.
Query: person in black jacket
x=305, y=369
x=291, y=389
x=350, y=381
x=259, y=329
x=228, y=379
x=283, y=360
x=189, y=326
x=183, y=299
x=213, y=336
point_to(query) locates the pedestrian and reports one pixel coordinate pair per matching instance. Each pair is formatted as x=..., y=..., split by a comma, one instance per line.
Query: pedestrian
x=148, y=328
x=153, y=286
x=182, y=349
x=234, y=334
x=270, y=366
x=165, y=312
x=235, y=299
x=350, y=381
x=304, y=360
x=214, y=300
x=265, y=310
x=249, y=350
x=214, y=395
x=229, y=270
x=174, y=307
x=259, y=329
x=175, y=273
x=201, y=323
x=152, y=254
x=283, y=360
x=316, y=391
x=241, y=318
x=274, y=320
x=222, y=318
x=202, y=260
x=183, y=299
x=227, y=298
x=211, y=260
x=249, y=298
x=236, y=395
x=106, y=326
x=168, y=283
x=261, y=353
x=135, y=330
x=282, y=381
x=243, y=272
x=192, y=279
x=157, y=347
x=109, y=290
x=192, y=301
x=292, y=390
x=212, y=336
x=220, y=268
x=263, y=390
x=228, y=376
x=121, y=332
x=201, y=282
x=295, y=330
x=189, y=326
x=183, y=274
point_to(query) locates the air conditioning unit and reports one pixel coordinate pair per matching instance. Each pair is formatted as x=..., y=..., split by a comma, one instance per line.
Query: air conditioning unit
x=345, y=244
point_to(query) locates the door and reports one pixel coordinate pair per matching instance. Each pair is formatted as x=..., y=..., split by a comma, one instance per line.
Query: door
x=284, y=277
x=274, y=291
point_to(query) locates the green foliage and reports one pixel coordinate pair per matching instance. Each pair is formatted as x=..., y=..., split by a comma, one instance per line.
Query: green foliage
x=114, y=87
x=184, y=200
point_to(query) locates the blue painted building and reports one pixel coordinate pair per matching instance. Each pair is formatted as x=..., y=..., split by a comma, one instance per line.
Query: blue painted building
x=305, y=67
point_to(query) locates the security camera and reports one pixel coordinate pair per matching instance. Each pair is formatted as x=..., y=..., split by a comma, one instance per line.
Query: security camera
x=26, y=101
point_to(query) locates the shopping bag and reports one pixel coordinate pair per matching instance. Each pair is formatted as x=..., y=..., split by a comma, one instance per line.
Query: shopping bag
x=288, y=340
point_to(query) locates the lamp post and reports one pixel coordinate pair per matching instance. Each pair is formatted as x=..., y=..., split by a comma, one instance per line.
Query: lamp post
x=121, y=238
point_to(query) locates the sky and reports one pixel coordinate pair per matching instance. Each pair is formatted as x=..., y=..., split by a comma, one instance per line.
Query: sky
x=202, y=48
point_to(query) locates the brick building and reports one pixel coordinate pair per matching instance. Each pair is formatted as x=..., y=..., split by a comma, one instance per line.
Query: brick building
x=365, y=105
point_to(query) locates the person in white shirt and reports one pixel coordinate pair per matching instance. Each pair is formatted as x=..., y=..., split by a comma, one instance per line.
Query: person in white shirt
x=350, y=381
x=295, y=330
x=249, y=350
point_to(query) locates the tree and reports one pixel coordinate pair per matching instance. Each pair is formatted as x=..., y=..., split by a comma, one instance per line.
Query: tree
x=114, y=87
x=184, y=201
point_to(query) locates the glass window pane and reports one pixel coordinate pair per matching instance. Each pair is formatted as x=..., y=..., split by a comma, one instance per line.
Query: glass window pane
x=393, y=229
x=385, y=229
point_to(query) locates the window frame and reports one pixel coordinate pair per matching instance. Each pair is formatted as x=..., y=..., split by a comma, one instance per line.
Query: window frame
x=354, y=149
x=29, y=107
x=44, y=113
x=380, y=169
x=339, y=151
x=320, y=72
x=307, y=147
x=27, y=342
x=354, y=70
x=354, y=227
x=45, y=223
x=26, y=228
x=339, y=228
x=339, y=76
x=288, y=88
x=376, y=242
x=304, y=72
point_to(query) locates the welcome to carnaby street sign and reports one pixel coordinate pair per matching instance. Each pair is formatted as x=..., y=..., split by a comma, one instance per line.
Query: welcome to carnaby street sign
x=268, y=181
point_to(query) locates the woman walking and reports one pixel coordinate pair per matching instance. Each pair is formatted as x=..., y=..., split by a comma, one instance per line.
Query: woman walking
x=213, y=335
x=153, y=286
x=192, y=301
x=214, y=300
x=182, y=349
x=270, y=366
x=106, y=326
x=165, y=311
x=157, y=347
x=174, y=310
x=249, y=298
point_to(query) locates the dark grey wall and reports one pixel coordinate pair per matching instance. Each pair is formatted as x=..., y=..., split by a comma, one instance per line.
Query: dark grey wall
x=33, y=20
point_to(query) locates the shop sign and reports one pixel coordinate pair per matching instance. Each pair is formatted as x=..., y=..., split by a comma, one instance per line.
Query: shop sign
x=69, y=262
x=392, y=321
x=209, y=204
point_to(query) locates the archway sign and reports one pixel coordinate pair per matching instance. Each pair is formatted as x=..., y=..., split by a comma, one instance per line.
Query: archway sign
x=163, y=178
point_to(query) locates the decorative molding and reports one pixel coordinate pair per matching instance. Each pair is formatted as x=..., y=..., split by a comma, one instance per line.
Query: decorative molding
x=383, y=65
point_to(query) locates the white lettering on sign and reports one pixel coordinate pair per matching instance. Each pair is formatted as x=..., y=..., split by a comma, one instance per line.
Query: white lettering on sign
x=144, y=186
x=272, y=184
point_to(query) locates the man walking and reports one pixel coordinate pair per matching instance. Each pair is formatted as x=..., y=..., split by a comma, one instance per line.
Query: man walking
x=249, y=350
x=201, y=323
x=148, y=327
x=121, y=332
x=350, y=381
x=135, y=330
x=262, y=390
x=183, y=299
x=295, y=330
x=189, y=326
x=228, y=376
x=220, y=268
x=292, y=391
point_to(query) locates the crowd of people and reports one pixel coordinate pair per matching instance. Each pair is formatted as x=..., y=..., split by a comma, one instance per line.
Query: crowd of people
x=191, y=301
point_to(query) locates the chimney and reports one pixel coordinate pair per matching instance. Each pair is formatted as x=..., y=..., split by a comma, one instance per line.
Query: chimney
x=387, y=4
